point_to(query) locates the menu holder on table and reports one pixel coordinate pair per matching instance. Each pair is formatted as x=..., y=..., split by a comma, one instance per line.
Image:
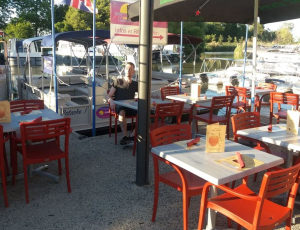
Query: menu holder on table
x=215, y=138
x=292, y=122
x=195, y=90
x=232, y=162
x=5, y=116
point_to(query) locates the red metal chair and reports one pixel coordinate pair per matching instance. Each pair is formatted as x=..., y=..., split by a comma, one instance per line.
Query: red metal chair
x=173, y=90
x=246, y=121
x=279, y=99
x=265, y=99
x=26, y=105
x=2, y=167
x=164, y=110
x=241, y=96
x=217, y=103
x=178, y=178
x=41, y=143
x=251, y=210
x=113, y=114
x=168, y=90
x=22, y=106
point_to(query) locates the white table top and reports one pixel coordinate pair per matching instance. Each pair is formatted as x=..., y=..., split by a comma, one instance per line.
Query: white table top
x=16, y=118
x=204, y=165
x=188, y=99
x=261, y=92
x=278, y=136
x=133, y=104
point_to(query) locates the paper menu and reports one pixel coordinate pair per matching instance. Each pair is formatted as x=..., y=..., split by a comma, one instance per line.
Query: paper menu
x=4, y=112
x=292, y=122
x=195, y=90
x=215, y=138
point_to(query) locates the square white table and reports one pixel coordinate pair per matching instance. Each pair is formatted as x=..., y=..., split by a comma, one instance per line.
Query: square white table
x=16, y=118
x=278, y=137
x=204, y=165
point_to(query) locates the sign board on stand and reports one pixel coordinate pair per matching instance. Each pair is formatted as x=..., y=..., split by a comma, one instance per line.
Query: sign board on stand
x=123, y=31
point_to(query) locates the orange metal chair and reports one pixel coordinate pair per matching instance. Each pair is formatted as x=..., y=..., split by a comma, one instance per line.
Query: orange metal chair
x=168, y=90
x=113, y=114
x=246, y=121
x=178, y=178
x=41, y=143
x=26, y=105
x=241, y=95
x=164, y=110
x=217, y=103
x=2, y=167
x=255, y=211
x=279, y=99
x=173, y=90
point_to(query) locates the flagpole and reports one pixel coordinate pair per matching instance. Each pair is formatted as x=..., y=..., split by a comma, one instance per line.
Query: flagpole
x=94, y=60
x=54, y=56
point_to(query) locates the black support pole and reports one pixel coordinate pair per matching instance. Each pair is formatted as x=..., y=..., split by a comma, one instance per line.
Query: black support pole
x=145, y=75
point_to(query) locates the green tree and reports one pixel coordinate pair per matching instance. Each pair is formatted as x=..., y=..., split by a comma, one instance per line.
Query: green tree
x=238, y=52
x=79, y=20
x=284, y=36
x=19, y=29
x=5, y=12
x=35, y=11
x=229, y=38
x=220, y=40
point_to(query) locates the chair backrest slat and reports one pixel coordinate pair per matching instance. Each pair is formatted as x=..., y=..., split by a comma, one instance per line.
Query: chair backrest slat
x=164, y=110
x=245, y=121
x=284, y=98
x=45, y=129
x=23, y=105
x=281, y=182
x=168, y=90
x=169, y=134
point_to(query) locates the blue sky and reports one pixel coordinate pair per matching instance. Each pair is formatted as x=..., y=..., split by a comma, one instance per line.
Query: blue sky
x=277, y=25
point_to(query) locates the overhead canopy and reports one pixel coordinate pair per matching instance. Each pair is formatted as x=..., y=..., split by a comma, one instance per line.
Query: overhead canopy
x=84, y=38
x=230, y=11
x=28, y=41
x=187, y=39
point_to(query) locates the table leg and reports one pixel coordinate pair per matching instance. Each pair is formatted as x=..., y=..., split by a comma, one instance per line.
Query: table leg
x=194, y=123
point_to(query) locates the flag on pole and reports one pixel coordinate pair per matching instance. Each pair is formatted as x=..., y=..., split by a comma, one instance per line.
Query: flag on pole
x=85, y=5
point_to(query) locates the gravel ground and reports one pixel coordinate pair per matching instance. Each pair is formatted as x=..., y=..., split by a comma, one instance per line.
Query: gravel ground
x=104, y=195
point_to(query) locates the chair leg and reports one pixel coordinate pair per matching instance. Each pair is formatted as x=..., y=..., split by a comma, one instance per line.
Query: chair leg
x=116, y=130
x=109, y=128
x=26, y=183
x=6, y=167
x=68, y=174
x=4, y=184
x=59, y=167
x=185, y=210
x=156, y=191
